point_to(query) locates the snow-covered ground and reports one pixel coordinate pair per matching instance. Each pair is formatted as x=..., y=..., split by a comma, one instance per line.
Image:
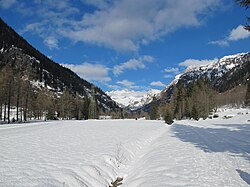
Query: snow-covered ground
x=214, y=152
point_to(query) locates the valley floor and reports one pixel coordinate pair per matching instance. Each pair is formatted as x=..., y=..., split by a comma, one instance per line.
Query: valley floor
x=214, y=152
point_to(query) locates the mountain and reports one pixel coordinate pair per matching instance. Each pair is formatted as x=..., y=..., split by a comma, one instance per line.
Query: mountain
x=17, y=54
x=133, y=100
x=224, y=74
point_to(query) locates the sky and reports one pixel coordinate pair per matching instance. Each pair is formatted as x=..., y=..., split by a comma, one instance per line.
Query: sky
x=130, y=44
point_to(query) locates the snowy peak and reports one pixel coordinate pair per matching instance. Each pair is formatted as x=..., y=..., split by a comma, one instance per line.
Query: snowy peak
x=223, y=74
x=215, y=71
x=226, y=62
x=133, y=99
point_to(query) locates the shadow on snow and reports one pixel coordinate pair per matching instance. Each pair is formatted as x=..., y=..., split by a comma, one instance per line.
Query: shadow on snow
x=244, y=175
x=236, y=141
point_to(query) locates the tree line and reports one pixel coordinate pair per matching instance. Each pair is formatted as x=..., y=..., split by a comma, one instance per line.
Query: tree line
x=21, y=101
x=196, y=100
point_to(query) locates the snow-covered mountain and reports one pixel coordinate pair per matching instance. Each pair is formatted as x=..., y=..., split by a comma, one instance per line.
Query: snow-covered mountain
x=222, y=73
x=133, y=99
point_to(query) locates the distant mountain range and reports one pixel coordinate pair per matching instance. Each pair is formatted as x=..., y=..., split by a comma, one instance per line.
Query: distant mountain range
x=133, y=100
x=224, y=74
x=41, y=71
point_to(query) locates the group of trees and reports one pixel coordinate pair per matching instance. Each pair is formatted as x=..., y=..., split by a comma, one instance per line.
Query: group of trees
x=20, y=101
x=13, y=92
x=196, y=100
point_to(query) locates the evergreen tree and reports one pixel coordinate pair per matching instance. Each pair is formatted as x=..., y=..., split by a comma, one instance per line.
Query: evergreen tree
x=168, y=117
x=194, y=113
x=179, y=111
x=246, y=4
x=247, y=97
x=153, y=109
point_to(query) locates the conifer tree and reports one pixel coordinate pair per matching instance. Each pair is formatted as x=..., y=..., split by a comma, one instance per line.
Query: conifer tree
x=194, y=113
x=168, y=117
x=246, y=4
x=247, y=97
x=153, y=109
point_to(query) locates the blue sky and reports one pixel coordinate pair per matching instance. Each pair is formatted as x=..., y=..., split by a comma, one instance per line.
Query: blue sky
x=132, y=44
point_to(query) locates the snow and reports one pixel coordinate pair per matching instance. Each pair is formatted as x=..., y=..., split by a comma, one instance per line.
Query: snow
x=133, y=99
x=213, y=152
x=239, y=55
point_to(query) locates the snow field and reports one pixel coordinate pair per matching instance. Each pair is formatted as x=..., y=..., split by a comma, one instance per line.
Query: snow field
x=71, y=153
x=214, y=152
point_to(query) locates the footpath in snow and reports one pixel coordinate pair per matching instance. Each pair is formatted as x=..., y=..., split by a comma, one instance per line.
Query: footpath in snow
x=212, y=152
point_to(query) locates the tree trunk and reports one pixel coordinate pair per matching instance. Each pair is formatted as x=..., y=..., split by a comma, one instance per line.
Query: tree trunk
x=1, y=111
x=9, y=100
x=17, y=102
x=25, y=108
x=5, y=110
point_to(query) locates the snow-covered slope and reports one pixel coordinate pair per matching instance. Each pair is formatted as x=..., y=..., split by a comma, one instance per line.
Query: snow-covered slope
x=213, y=152
x=223, y=74
x=133, y=99
x=218, y=68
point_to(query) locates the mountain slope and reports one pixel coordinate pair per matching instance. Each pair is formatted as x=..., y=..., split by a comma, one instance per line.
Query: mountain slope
x=18, y=54
x=223, y=75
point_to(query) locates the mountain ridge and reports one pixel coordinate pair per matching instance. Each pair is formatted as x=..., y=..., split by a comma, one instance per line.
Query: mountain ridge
x=223, y=74
x=133, y=100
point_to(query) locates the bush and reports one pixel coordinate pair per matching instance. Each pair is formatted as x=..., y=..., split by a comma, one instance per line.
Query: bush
x=215, y=115
x=168, y=118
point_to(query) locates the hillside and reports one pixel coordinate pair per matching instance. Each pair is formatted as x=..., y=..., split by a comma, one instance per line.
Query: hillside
x=25, y=61
x=225, y=74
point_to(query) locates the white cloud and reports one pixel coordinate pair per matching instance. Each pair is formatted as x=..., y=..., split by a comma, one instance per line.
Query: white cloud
x=51, y=42
x=113, y=87
x=50, y=19
x=238, y=33
x=132, y=64
x=172, y=70
x=90, y=72
x=5, y=4
x=196, y=63
x=126, y=83
x=222, y=43
x=168, y=76
x=123, y=25
x=157, y=83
